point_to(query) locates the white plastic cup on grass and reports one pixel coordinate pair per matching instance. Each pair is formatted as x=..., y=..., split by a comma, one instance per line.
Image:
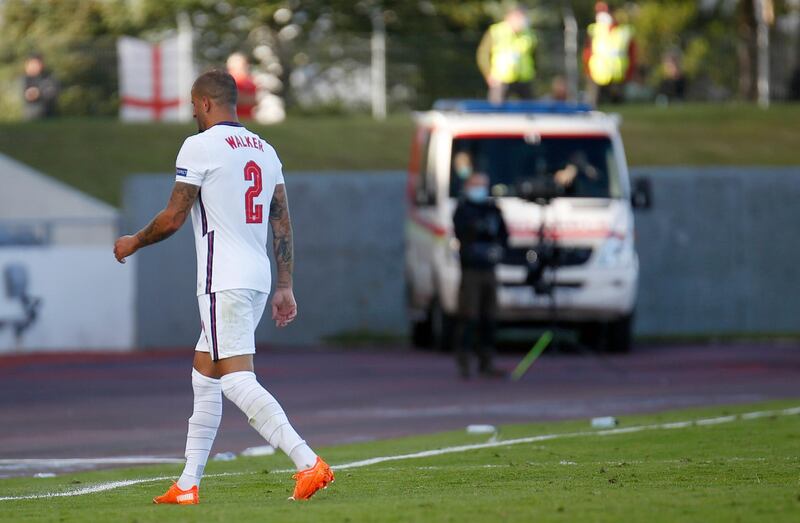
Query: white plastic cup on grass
x=604, y=422
x=262, y=450
x=484, y=429
x=481, y=429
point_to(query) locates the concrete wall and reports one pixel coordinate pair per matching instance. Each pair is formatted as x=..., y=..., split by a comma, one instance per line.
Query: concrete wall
x=717, y=253
x=60, y=288
x=348, y=231
x=58, y=298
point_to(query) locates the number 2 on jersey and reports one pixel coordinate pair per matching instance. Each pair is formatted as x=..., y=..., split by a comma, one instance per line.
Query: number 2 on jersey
x=254, y=212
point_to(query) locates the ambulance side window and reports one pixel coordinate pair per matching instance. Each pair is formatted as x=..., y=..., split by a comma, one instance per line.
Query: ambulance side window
x=426, y=185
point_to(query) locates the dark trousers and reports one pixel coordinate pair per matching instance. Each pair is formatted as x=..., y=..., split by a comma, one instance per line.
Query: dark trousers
x=605, y=94
x=477, y=309
x=503, y=92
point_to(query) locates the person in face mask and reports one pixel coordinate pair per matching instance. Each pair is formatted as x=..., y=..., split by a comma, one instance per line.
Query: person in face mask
x=462, y=165
x=483, y=238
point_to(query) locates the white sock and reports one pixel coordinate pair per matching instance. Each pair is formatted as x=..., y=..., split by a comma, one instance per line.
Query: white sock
x=266, y=416
x=203, y=427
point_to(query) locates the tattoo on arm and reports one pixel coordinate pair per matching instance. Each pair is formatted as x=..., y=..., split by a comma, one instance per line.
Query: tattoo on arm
x=282, y=236
x=168, y=221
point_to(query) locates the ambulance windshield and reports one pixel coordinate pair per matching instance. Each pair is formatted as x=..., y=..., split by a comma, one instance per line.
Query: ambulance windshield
x=582, y=166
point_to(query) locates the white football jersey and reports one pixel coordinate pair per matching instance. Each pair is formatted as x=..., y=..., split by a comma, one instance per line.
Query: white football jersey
x=237, y=173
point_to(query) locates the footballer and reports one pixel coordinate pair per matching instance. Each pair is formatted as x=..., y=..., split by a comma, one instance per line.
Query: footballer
x=231, y=181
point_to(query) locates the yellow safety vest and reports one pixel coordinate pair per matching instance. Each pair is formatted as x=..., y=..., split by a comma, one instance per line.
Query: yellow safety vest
x=512, y=54
x=609, y=61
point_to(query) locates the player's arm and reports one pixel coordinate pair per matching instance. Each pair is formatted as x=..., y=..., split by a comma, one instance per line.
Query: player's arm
x=281, y=226
x=284, y=307
x=164, y=225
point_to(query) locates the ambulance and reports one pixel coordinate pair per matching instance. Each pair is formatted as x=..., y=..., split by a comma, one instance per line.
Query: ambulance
x=588, y=283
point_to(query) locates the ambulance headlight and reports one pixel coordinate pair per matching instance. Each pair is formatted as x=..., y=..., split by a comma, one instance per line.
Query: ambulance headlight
x=616, y=250
x=453, y=246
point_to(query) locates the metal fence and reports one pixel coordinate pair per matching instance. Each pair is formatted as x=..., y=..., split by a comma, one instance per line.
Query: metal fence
x=334, y=73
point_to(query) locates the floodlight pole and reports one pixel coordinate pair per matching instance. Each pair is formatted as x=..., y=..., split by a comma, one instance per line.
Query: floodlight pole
x=763, y=14
x=571, y=53
x=378, y=68
x=186, y=70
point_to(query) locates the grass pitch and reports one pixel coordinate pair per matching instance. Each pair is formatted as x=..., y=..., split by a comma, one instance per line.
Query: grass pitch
x=738, y=470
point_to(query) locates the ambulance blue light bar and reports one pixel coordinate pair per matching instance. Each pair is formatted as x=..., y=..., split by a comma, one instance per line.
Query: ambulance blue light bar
x=512, y=107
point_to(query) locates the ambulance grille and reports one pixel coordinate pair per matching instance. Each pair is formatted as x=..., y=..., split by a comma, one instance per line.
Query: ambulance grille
x=568, y=256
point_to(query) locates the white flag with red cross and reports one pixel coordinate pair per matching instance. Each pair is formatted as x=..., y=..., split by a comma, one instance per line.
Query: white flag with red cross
x=155, y=79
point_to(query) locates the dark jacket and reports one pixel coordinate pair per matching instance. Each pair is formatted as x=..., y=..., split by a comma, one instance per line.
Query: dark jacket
x=482, y=233
x=44, y=106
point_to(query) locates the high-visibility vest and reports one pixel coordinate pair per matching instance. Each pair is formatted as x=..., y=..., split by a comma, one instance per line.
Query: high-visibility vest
x=609, y=60
x=512, y=54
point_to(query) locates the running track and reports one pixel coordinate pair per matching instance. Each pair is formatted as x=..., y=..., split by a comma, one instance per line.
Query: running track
x=88, y=405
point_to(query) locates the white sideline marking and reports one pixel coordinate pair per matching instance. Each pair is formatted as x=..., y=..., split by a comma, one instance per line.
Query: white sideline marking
x=715, y=421
x=756, y=415
x=102, y=487
x=72, y=462
x=678, y=425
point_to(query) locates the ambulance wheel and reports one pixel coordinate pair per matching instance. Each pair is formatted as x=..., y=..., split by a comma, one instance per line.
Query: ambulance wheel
x=421, y=334
x=420, y=324
x=619, y=335
x=441, y=328
x=589, y=336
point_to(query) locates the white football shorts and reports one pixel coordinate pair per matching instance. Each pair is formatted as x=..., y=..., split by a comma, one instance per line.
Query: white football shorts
x=228, y=320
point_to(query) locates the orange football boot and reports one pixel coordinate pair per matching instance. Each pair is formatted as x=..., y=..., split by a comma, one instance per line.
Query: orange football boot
x=176, y=496
x=309, y=481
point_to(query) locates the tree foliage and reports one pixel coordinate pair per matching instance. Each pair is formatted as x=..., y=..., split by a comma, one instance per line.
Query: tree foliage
x=76, y=38
x=436, y=37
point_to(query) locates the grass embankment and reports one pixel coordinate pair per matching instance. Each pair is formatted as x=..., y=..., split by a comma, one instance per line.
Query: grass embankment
x=96, y=155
